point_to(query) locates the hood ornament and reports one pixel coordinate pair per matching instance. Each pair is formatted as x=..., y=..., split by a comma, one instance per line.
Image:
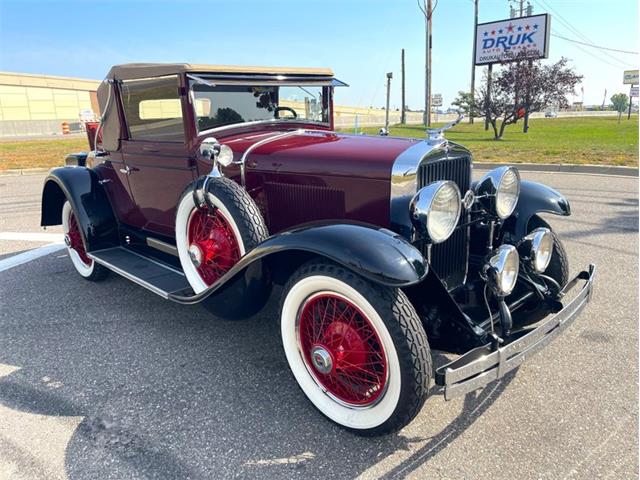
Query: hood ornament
x=437, y=134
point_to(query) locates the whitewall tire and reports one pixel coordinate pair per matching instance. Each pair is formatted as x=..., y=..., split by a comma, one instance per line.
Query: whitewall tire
x=365, y=362
x=74, y=239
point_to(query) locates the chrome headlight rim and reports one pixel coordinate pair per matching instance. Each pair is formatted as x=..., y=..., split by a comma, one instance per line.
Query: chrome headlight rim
x=421, y=209
x=537, y=248
x=501, y=269
x=490, y=189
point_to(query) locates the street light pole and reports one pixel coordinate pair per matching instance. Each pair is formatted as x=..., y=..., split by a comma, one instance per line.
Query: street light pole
x=386, y=113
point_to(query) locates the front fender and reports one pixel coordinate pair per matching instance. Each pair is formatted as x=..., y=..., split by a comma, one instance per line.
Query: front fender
x=535, y=198
x=79, y=185
x=374, y=253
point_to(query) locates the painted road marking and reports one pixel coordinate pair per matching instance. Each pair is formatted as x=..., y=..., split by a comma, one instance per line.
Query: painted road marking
x=32, y=237
x=25, y=257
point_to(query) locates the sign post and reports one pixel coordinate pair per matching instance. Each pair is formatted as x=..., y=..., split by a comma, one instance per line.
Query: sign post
x=436, y=101
x=631, y=77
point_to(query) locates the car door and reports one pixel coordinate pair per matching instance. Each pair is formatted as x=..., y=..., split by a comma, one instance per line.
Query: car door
x=155, y=155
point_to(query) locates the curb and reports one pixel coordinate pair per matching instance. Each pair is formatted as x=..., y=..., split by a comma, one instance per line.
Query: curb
x=23, y=171
x=527, y=167
x=564, y=168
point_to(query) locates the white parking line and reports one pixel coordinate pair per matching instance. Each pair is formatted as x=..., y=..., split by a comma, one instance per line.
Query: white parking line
x=32, y=237
x=25, y=257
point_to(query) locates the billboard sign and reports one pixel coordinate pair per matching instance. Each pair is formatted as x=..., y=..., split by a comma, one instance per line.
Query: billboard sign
x=499, y=41
x=630, y=77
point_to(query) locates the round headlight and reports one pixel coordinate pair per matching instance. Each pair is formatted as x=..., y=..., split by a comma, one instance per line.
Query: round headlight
x=225, y=157
x=508, y=192
x=538, y=248
x=502, y=269
x=435, y=210
x=499, y=191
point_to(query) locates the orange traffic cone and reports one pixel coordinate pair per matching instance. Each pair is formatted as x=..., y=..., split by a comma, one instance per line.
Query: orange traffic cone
x=65, y=128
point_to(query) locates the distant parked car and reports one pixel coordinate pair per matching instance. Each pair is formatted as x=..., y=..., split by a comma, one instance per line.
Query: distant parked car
x=550, y=114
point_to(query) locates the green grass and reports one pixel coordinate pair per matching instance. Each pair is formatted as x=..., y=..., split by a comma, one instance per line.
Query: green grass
x=45, y=153
x=582, y=140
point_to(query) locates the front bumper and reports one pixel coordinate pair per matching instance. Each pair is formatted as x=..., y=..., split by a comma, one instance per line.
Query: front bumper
x=485, y=364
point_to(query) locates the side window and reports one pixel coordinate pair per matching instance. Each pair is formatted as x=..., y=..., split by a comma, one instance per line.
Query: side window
x=152, y=109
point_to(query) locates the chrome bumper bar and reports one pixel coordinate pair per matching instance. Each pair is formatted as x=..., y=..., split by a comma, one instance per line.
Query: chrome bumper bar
x=484, y=364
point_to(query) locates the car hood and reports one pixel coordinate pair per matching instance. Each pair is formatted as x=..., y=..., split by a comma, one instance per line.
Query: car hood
x=320, y=152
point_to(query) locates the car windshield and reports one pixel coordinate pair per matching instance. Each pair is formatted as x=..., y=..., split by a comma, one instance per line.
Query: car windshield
x=220, y=105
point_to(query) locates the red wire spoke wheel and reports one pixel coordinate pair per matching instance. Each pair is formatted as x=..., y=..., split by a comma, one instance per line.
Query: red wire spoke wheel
x=357, y=349
x=75, y=239
x=342, y=349
x=213, y=246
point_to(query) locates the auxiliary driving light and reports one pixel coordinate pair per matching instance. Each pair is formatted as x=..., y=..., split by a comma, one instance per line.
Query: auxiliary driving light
x=501, y=269
x=499, y=190
x=435, y=210
x=537, y=248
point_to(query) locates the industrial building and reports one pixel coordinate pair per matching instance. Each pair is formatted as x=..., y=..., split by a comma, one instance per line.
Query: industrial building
x=38, y=104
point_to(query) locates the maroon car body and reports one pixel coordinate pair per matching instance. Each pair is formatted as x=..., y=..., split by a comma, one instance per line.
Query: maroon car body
x=212, y=183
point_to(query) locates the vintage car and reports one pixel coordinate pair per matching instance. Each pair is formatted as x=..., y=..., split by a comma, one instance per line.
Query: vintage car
x=213, y=184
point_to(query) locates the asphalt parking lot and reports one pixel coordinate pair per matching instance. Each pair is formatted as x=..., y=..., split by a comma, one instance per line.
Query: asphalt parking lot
x=110, y=381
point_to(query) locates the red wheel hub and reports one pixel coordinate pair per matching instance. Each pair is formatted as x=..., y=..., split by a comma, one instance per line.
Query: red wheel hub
x=213, y=246
x=342, y=349
x=74, y=240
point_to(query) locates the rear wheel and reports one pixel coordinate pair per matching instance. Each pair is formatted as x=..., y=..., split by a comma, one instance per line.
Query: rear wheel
x=74, y=239
x=357, y=350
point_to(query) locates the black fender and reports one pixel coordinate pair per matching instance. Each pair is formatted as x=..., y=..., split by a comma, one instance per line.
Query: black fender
x=89, y=200
x=534, y=198
x=374, y=253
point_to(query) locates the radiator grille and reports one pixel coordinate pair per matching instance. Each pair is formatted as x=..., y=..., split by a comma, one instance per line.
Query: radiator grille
x=449, y=258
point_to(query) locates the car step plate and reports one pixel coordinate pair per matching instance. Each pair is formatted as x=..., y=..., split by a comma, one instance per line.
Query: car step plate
x=146, y=272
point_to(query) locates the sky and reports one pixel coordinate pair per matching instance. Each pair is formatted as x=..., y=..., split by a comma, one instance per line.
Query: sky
x=359, y=39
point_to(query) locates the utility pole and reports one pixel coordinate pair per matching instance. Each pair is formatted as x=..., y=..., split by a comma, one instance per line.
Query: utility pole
x=427, y=12
x=522, y=11
x=403, y=114
x=473, y=64
x=386, y=113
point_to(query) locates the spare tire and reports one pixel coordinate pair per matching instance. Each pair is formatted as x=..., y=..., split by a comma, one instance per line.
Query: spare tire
x=211, y=241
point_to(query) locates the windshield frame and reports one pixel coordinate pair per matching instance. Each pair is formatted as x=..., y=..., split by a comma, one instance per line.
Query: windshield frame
x=326, y=83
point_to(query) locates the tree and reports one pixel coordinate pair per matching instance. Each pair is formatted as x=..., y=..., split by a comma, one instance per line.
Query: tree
x=620, y=103
x=466, y=104
x=525, y=85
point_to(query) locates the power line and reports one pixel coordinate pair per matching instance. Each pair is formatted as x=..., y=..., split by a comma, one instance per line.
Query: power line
x=594, y=46
x=568, y=25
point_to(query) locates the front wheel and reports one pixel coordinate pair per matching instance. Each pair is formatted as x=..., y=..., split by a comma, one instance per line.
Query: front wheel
x=357, y=350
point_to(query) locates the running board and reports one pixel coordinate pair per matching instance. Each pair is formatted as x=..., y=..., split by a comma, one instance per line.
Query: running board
x=151, y=274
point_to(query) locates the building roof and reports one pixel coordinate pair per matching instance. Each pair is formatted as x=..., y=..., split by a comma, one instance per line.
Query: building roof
x=146, y=70
x=47, y=81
